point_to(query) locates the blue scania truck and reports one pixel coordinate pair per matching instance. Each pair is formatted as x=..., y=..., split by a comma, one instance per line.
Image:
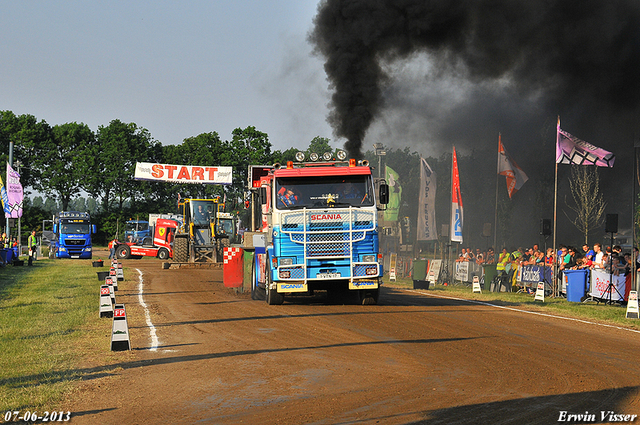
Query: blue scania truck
x=318, y=223
x=72, y=231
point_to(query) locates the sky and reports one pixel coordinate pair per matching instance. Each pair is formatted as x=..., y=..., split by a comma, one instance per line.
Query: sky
x=178, y=69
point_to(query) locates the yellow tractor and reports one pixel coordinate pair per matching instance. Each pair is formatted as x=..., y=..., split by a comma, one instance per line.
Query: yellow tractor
x=198, y=240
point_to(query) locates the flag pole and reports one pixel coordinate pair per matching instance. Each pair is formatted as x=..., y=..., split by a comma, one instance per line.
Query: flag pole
x=555, y=210
x=495, y=222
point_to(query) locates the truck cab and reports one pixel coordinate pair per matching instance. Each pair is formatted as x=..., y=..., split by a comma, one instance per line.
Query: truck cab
x=137, y=231
x=72, y=232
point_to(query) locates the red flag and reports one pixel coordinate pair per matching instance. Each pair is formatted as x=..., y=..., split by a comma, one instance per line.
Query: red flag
x=456, y=202
x=507, y=167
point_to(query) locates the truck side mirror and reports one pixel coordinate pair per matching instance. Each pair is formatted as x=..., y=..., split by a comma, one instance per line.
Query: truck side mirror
x=263, y=196
x=55, y=228
x=94, y=229
x=384, y=193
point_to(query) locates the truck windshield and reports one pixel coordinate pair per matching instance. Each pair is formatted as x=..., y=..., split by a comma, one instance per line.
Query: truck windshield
x=78, y=228
x=202, y=212
x=136, y=227
x=226, y=226
x=310, y=192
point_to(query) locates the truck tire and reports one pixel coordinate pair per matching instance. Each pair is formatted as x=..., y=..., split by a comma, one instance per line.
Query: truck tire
x=273, y=297
x=256, y=292
x=181, y=250
x=368, y=296
x=163, y=253
x=123, y=252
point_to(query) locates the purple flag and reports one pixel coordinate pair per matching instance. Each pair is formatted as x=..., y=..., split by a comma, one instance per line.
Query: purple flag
x=15, y=194
x=571, y=150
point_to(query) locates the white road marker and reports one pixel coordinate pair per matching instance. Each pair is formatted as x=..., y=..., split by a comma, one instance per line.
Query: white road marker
x=152, y=329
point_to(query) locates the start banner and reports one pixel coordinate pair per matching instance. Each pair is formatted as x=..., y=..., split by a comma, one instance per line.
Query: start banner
x=183, y=173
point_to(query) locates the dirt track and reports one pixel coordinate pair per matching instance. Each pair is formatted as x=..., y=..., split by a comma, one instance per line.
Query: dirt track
x=225, y=359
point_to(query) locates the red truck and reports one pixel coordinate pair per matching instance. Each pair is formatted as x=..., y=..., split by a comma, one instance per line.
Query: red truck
x=161, y=245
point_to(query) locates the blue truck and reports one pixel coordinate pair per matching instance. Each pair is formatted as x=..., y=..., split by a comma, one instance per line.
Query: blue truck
x=319, y=229
x=72, y=235
x=137, y=231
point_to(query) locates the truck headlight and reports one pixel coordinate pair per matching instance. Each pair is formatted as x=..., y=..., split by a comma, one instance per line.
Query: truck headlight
x=286, y=261
x=285, y=274
x=369, y=258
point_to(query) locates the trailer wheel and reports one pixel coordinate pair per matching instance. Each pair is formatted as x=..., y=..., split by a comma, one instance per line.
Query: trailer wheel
x=123, y=251
x=163, y=253
x=181, y=250
x=273, y=297
x=256, y=292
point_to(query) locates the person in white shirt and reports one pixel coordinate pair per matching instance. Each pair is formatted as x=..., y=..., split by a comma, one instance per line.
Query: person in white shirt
x=598, y=261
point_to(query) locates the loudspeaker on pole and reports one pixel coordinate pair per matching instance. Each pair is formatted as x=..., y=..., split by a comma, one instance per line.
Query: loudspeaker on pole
x=545, y=227
x=486, y=230
x=611, y=223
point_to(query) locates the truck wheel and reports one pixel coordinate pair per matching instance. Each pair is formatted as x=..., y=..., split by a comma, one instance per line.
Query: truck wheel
x=163, y=253
x=181, y=250
x=123, y=252
x=273, y=297
x=256, y=292
x=368, y=296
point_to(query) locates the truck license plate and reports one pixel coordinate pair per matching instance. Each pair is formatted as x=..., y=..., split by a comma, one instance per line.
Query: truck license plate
x=328, y=275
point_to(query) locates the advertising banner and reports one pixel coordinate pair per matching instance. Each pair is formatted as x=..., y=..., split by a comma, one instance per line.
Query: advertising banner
x=531, y=275
x=395, y=195
x=427, y=204
x=15, y=195
x=600, y=286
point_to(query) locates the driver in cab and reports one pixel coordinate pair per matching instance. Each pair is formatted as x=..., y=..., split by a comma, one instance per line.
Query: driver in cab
x=287, y=197
x=351, y=192
x=201, y=214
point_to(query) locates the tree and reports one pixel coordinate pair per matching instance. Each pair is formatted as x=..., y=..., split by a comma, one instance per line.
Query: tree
x=119, y=146
x=588, y=199
x=319, y=145
x=31, y=140
x=247, y=147
x=64, y=162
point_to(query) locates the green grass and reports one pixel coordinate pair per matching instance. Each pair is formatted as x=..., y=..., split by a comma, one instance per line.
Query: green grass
x=592, y=311
x=49, y=324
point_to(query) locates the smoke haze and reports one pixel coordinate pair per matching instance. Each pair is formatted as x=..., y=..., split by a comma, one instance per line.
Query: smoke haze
x=458, y=72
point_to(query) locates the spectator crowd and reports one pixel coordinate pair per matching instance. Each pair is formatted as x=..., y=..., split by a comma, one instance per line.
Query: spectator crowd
x=610, y=259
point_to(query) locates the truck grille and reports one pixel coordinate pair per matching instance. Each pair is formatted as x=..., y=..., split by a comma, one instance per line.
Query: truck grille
x=328, y=233
x=74, y=242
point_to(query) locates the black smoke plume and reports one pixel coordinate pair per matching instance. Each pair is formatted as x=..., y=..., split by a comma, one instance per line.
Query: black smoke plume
x=585, y=54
